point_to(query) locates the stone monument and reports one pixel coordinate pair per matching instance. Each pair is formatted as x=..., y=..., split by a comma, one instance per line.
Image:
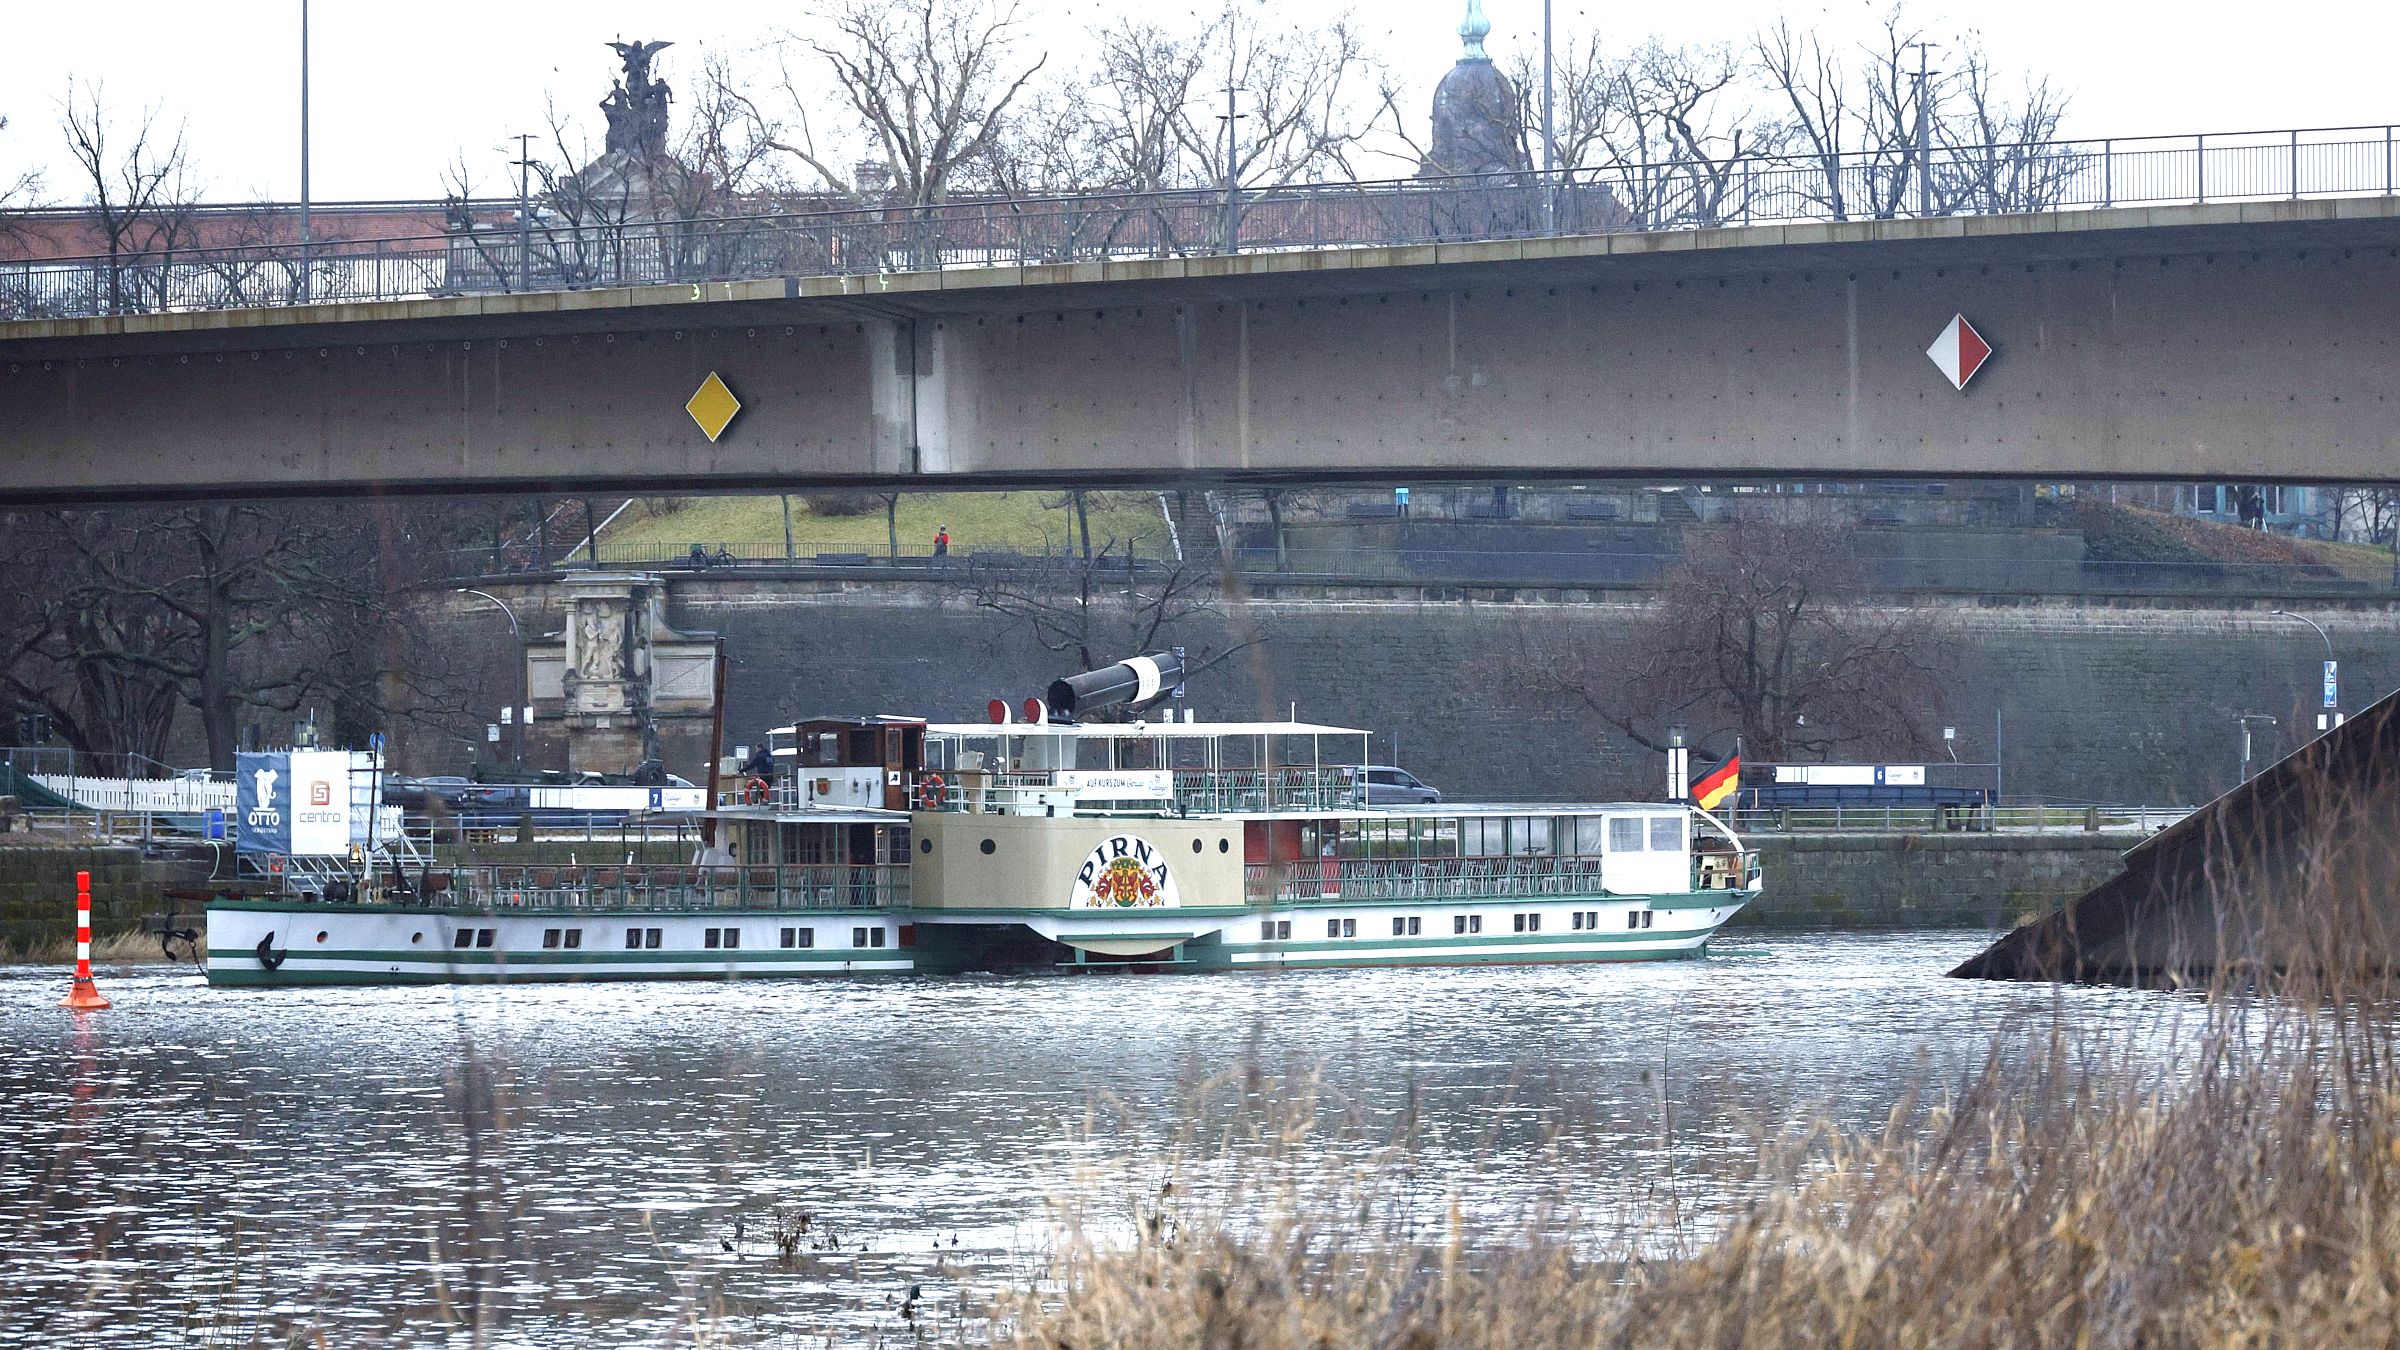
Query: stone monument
x=624, y=686
x=637, y=107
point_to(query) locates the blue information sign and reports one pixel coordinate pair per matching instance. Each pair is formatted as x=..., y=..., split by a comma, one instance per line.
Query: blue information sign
x=262, y=803
x=2333, y=684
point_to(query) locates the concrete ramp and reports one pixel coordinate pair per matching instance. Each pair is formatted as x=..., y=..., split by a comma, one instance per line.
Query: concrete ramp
x=2296, y=871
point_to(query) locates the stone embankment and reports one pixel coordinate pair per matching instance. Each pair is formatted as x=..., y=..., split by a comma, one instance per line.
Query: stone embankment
x=1926, y=880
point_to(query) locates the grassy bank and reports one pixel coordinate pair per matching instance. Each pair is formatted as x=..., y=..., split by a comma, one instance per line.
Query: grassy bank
x=1022, y=522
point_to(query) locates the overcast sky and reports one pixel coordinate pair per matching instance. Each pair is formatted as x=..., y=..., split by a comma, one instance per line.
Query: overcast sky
x=398, y=94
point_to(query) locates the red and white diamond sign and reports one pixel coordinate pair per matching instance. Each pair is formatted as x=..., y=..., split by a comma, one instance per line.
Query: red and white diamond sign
x=1960, y=351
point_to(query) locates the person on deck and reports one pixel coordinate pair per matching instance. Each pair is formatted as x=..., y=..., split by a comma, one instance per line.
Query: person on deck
x=941, y=542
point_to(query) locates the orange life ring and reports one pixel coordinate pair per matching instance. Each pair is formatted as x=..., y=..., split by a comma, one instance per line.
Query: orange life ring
x=754, y=792
x=933, y=791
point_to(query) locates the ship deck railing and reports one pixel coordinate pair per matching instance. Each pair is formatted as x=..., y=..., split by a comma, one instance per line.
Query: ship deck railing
x=657, y=887
x=1184, y=792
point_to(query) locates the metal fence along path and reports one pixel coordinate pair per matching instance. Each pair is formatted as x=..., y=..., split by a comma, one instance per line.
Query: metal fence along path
x=560, y=246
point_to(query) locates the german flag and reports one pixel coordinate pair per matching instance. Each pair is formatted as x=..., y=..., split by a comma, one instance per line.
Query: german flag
x=1721, y=782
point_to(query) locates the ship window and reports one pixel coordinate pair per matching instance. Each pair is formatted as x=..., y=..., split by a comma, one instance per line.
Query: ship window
x=1458, y=923
x=633, y=939
x=1225, y=846
x=1647, y=916
x=858, y=937
x=484, y=936
x=1633, y=918
x=650, y=938
x=1624, y=834
x=1666, y=834
x=874, y=937
x=1591, y=919
x=1195, y=846
x=988, y=846
x=733, y=937
x=1283, y=928
x=709, y=938
x=1587, y=834
x=464, y=938
x=416, y=937
x=1333, y=928
x=1349, y=928
x=1416, y=925
x=1520, y=922
x=1578, y=924
x=925, y=846
x=549, y=937
x=574, y=937
x=1399, y=928
x=1474, y=923
x=1266, y=931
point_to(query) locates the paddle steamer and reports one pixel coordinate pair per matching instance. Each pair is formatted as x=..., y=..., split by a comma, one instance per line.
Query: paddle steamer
x=886, y=845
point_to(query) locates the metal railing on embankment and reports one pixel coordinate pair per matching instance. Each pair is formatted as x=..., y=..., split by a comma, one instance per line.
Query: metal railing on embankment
x=2022, y=819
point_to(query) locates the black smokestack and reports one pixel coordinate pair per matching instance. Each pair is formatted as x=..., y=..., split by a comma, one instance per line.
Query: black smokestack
x=1130, y=683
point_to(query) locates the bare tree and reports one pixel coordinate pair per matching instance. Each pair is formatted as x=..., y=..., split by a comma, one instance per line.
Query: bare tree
x=1096, y=609
x=1303, y=100
x=230, y=608
x=140, y=194
x=1882, y=141
x=1762, y=634
x=18, y=187
x=932, y=81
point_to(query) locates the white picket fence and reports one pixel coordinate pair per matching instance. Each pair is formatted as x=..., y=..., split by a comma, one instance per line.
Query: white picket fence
x=162, y=796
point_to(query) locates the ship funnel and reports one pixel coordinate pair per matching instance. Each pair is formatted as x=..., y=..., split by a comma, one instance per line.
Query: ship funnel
x=1129, y=683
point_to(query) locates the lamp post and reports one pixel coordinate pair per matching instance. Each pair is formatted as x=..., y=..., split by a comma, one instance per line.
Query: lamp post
x=524, y=692
x=2331, y=717
x=306, y=264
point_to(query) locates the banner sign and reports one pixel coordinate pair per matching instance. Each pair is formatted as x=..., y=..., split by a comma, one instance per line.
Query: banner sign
x=1108, y=785
x=294, y=803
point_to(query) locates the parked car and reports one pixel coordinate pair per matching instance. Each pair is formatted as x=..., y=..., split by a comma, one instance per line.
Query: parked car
x=1390, y=786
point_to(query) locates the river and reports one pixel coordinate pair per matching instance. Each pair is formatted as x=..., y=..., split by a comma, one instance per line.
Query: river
x=206, y=1166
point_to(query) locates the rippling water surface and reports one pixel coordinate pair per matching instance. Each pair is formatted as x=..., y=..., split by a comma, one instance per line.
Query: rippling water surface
x=223, y=1166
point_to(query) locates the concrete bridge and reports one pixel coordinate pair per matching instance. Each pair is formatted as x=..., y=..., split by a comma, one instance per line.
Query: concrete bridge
x=2232, y=342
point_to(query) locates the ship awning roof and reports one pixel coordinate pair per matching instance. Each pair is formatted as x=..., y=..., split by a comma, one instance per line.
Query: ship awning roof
x=1141, y=730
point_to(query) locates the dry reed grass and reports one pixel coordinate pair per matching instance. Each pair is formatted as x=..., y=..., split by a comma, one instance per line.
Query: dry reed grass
x=2236, y=1191
x=2241, y=1198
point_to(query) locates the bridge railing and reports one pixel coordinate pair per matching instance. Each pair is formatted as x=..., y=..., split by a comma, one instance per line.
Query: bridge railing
x=549, y=251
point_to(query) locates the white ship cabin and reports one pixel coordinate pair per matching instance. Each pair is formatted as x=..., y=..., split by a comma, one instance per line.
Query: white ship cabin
x=829, y=791
x=1306, y=832
x=1163, y=767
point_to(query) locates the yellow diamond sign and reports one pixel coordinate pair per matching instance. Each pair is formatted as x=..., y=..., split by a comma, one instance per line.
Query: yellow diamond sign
x=713, y=406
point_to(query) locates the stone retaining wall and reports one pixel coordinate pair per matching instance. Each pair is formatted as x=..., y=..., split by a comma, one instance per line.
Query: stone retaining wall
x=1926, y=880
x=37, y=892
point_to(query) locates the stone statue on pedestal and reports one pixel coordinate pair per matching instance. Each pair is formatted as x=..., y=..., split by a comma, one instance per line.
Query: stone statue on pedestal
x=637, y=107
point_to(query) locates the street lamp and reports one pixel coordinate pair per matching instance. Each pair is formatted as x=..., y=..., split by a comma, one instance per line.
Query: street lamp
x=2332, y=716
x=524, y=692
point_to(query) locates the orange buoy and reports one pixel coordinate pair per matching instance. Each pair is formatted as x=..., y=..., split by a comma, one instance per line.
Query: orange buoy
x=85, y=995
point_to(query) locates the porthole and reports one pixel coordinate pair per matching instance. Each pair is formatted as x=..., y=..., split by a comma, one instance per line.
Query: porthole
x=924, y=846
x=1224, y=846
x=989, y=846
x=320, y=935
x=1195, y=846
x=415, y=938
